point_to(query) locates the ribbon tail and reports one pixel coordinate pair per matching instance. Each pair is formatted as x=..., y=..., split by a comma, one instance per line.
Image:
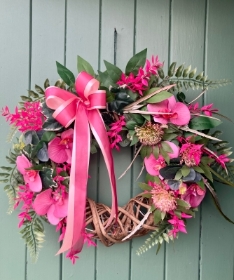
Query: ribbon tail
x=98, y=129
x=74, y=235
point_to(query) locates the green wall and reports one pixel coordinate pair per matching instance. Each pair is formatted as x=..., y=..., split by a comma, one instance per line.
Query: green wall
x=34, y=34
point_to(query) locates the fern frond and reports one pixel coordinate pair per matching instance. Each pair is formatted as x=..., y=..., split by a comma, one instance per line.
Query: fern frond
x=156, y=238
x=33, y=235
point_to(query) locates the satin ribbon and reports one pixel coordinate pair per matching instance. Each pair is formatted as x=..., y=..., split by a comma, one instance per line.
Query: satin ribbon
x=82, y=109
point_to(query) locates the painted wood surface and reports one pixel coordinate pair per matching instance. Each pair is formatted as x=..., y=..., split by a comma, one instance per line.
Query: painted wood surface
x=35, y=34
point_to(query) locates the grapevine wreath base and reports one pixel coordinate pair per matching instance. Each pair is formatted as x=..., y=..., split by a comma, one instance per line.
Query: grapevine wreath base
x=141, y=107
x=129, y=218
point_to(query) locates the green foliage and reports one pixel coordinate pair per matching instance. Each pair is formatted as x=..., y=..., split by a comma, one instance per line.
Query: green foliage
x=185, y=78
x=33, y=235
x=156, y=238
x=66, y=75
x=137, y=61
x=83, y=65
x=11, y=178
x=203, y=122
x=163, y=95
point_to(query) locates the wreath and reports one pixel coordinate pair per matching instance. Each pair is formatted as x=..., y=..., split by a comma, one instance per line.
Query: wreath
x=142, y=107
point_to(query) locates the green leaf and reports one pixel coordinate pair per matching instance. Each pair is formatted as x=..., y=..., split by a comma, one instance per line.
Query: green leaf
x=192, y=73
x=166, y=147
x=105, y=79
x=179, y=71
x=137, y=61
x=113, y=71
x=171, y=70
x=185, y=170
x=139, y=119
x=186, y=71
x=135, y=139
x=48, y=136
x=145, y=187
x=47, y=178
x=159, y=96
x=39, y=90
x=161, y=73
x=157, y=216
x=183, y=203
x=26, y=98
x=131, y=125
x=33, y=94
x=178, y=175
x=66, y=75
x=156, y=151
x=146, y=151
x=206, y=170
x=202, y=123
x=83, y=65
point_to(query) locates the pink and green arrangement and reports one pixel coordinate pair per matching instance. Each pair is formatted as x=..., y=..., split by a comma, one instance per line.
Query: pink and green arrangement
x=142, y=108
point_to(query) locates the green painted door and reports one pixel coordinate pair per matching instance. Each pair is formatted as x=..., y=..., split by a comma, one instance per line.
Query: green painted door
x=35, y=34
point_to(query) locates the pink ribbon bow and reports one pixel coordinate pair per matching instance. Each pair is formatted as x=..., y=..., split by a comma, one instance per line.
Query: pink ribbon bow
x=84, y=111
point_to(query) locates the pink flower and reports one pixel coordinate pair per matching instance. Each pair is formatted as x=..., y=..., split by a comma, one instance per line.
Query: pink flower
x=207, y=109
x=72, y=255
x=60, y=149
x=170, y=111
x=28, y=118
x=137, y=83
x=31, y=177
x=113, y=133
x=194, y=195
x=177, y=226
x=222, y=159
x=54, y=204
x=191, y=154
x=88, y=239
x=153, y=68
x=153, y=165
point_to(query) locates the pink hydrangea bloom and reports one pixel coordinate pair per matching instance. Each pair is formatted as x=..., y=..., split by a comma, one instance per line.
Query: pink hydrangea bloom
x=191, y=154
x=194, y=195
x=28, y=118
x=53, y=204
x=170, y=111
x=31, y=177
x=60, y=149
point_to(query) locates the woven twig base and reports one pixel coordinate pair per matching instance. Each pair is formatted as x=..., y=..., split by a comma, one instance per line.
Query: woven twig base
x=129, y=217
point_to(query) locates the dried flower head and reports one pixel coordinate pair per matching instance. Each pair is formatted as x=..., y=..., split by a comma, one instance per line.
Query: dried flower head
x=162, y=199
x=150, y=134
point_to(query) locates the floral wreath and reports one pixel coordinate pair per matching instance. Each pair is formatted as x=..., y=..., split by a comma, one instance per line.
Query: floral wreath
x=61, y=125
